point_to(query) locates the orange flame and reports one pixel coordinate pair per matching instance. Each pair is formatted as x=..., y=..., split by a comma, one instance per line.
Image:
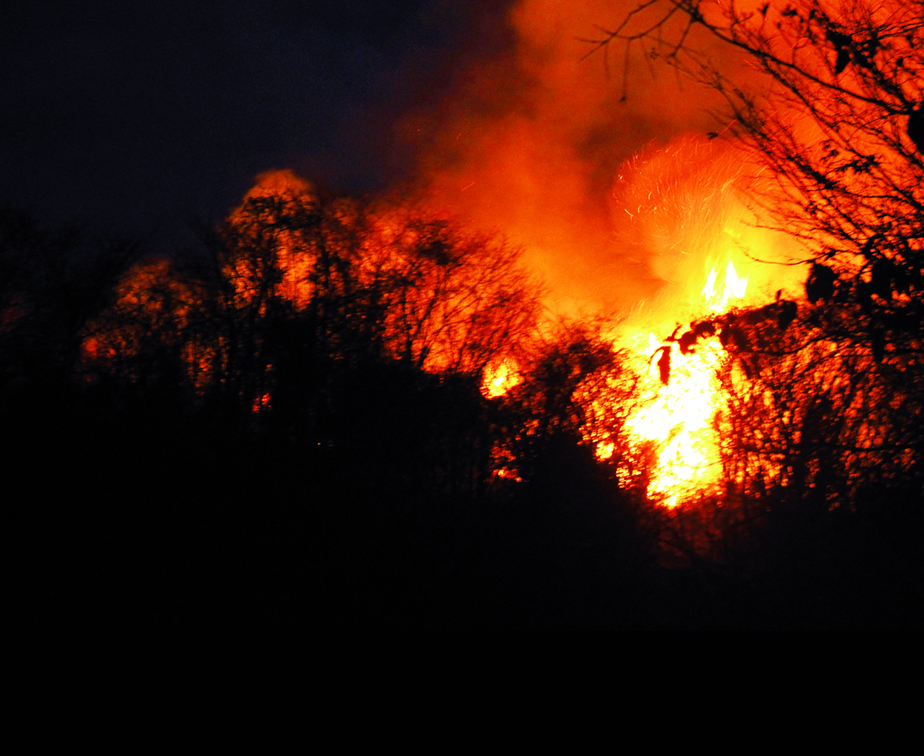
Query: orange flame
x=682, y=206
x=678, y=417
x=499, y=379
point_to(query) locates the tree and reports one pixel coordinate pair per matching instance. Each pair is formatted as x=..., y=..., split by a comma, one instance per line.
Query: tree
x=837, y=117
x=52, y=282
x=831, y=108
x=334, y=325
x=821, y=425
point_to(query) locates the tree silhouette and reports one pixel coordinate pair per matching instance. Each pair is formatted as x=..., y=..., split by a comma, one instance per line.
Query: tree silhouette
x=836, y=120
x=357, y=332
x=52, y=282
x=820, y=432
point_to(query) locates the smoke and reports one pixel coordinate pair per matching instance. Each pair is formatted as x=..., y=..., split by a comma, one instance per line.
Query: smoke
x=531, y=140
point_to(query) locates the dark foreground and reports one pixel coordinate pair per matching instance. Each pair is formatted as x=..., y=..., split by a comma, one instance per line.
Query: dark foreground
x=175, y=527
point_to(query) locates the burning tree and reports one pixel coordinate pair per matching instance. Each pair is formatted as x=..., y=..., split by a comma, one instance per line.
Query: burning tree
x=51, y=283
x=831, y=109
x=361, y=330
x=357, y=281
x=837, y=119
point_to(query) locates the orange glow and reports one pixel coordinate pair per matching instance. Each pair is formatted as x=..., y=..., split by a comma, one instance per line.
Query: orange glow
x=408, y=283
x=289, y=252
x=503, y=472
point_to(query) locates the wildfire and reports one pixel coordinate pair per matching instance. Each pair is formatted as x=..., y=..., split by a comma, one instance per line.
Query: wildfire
x=443, y=300
x=683, y=208
x=677, y=417
x=499, y=379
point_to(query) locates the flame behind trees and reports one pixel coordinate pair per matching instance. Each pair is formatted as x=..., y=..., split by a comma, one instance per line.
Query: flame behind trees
x=836, y=121
x=684, y=209
x=312, y=316
x=411, y=286
x=832, y=113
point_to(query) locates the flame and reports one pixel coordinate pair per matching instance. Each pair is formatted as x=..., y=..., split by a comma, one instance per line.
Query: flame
x=684, y=208
x=681, y=209
x=734, y=287
x=499, y=379
x=678, y=418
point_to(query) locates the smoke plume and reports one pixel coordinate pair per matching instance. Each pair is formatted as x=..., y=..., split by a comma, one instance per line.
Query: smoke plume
x=532, y=141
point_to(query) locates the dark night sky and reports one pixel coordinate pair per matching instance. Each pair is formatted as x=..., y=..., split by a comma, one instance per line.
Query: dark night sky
x=138, y=119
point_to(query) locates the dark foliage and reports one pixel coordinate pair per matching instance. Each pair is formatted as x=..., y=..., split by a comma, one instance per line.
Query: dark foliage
x=202, y=443
x=821, y=429
x=198, y=440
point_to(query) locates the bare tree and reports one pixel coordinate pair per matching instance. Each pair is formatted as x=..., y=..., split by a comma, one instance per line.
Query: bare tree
x=830, y=106
x=294, y=290
x=836, y=115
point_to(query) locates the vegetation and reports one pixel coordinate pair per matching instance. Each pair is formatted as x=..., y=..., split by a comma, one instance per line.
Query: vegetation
x=290, y=420
x=833, y=117
x=822, y=439
x=353, y=413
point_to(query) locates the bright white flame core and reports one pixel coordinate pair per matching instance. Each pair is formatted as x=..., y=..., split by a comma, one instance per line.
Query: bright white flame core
x=678, y=417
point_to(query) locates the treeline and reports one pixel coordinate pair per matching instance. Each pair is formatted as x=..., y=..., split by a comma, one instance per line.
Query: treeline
x=356, y=414
x=293, y=418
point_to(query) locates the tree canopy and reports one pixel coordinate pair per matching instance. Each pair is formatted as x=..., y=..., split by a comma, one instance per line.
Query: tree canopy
x=827, y=99
x=830, y=104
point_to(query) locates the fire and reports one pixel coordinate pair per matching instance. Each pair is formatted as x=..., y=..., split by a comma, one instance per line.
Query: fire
x=678, y=417
x=681, y=211
x=685, y=209
x=262, y=403
x=499, y=379
x=735, y=288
